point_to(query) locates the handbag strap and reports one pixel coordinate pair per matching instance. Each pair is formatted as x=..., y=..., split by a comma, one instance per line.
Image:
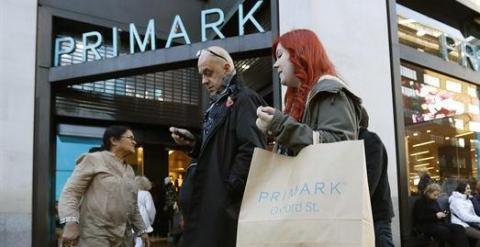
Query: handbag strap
x=316, y=137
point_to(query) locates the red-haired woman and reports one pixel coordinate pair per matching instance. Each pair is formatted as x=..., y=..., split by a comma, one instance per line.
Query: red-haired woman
x=316, y=99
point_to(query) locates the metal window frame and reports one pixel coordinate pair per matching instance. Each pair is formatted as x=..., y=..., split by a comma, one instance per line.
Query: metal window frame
x=398, y=118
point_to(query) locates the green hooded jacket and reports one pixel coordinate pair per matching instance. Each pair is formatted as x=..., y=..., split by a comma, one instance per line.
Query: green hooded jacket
x=331, y=109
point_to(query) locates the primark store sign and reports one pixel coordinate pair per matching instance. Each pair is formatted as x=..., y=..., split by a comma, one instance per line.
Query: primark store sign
x=92, y=41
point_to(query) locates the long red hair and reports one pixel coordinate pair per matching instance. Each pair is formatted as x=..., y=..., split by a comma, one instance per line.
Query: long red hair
x=310, y=61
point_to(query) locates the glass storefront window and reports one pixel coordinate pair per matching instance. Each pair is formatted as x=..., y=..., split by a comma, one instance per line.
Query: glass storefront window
x=442, y=125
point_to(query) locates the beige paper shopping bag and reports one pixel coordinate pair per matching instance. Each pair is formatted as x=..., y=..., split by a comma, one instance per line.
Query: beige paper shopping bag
x=318, y=198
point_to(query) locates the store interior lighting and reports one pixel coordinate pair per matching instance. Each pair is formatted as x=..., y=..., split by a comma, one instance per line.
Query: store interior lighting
x=423, y=143
x=420, y=153
x=428, y=158
x=421, y=33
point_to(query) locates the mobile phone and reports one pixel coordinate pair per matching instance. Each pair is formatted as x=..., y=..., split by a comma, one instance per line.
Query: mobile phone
x=185, y=137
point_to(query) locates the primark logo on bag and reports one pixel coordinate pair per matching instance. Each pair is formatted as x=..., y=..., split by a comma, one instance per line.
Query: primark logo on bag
x=301, y=199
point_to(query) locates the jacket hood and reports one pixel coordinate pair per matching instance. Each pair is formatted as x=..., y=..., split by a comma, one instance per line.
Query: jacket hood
x=333, y=84
x=456, y=196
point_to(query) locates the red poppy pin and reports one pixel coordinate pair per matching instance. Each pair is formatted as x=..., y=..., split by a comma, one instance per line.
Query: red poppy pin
x=229, y=102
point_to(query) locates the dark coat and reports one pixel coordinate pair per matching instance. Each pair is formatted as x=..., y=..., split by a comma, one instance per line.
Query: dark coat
x=476, y=204
x=425, y=219
x=425, y=212
x=223, y=158
x=377, y=164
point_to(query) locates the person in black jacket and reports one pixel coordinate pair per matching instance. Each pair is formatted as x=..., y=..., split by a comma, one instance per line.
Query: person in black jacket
x=431, y=219
x=223, y=153
x=476, y=199
x=377, y=164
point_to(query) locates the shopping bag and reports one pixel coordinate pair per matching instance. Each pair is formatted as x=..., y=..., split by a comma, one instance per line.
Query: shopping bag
x=318, y=198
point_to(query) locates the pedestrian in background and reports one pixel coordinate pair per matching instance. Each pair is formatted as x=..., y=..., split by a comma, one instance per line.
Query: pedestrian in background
x=476, y=198
x=99, y=201
x=145, y=206
x=377, y=174
x=170, y=202
x=463, y=213
x=430, y=219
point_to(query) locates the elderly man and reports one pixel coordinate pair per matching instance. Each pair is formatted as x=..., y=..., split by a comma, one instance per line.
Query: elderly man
x=211, y=196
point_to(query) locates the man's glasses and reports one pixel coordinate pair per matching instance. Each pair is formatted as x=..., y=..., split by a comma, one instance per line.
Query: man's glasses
x=199, y=52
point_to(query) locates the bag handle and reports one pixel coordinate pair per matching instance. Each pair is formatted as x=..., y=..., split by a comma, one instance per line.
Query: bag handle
x=316, y=137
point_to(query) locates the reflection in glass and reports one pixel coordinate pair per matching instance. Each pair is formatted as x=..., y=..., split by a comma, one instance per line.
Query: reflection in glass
x=442, y=125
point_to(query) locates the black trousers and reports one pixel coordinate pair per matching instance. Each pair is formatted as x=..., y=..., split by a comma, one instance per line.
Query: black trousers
x=452, y=234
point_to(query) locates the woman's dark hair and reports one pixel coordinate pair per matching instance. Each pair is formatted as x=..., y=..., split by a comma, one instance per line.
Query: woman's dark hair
x=461, y=187
x=115, y=131
x=425, y=180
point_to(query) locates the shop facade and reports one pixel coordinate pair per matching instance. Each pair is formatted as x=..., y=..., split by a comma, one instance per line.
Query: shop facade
x=438, y=95
x=98, y=64
x=135, y=68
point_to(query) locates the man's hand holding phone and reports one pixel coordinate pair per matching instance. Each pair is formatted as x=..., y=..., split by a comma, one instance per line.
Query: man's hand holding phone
x=182, y=136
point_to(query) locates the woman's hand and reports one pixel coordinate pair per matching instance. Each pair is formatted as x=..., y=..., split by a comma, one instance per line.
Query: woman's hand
x=265, y=117
x=71, y=232
x=182, y=136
